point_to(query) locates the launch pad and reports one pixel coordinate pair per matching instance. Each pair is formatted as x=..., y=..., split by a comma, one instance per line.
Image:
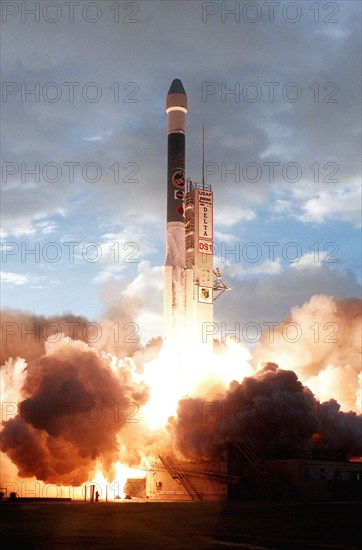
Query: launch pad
x=239, y=472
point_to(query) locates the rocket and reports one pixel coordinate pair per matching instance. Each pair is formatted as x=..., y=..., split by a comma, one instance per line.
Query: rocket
x=176, y=109
x=174, y=291
x=190, y=289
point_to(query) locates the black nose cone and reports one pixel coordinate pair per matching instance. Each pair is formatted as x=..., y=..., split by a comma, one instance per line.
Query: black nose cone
x=176, y=87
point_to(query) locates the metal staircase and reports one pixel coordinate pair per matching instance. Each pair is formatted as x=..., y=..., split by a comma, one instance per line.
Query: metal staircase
x=262, y=465
x=180, y=476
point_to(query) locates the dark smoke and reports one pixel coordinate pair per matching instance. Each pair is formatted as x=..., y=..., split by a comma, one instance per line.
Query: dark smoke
x=24, y=334
x=75, y=404
x=272, y=411
x=339, y=430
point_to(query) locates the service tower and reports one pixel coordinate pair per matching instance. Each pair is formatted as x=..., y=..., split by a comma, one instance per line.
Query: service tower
x=199, y=261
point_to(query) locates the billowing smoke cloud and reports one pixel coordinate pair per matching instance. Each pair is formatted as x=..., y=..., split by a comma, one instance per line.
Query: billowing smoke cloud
x=81, y=408
x=75, y=403
x=340, y=431
x=118, y=332
x=272, y=411
x=24, y=335
x=321, y=342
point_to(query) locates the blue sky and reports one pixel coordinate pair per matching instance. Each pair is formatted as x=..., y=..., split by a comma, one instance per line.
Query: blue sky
x=101, y=156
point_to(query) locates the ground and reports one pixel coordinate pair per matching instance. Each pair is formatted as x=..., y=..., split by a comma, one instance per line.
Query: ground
x=194, y=525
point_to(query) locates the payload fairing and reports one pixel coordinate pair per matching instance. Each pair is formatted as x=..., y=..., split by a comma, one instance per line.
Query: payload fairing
x=190, y=290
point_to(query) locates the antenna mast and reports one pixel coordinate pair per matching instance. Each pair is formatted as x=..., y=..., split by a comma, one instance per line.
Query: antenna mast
x=203, y=156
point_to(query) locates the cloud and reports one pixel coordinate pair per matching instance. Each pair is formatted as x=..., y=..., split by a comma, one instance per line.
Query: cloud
x=21, y=279
x=343, y=204
x=313, y=260
x=14, y=278
x=262, y=299
x=267, y=267
x=228, y=216
x=282, y=206
x=124, y=249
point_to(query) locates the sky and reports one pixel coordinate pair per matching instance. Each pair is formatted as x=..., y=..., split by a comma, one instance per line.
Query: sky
x=84, y=145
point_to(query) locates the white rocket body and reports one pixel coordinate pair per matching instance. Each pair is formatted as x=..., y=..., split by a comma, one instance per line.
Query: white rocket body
x=174, y=293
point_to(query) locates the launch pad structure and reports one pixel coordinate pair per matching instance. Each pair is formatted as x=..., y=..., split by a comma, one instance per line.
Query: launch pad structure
x=239, y=472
